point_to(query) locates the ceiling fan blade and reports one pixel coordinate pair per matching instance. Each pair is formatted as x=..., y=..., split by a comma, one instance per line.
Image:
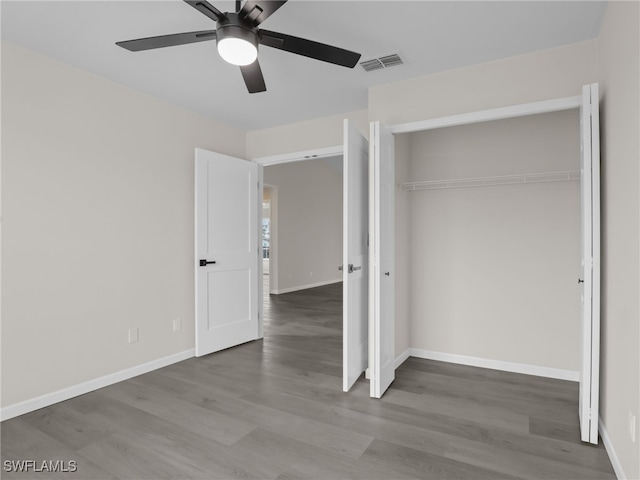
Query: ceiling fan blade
x=207, y=9
x=309, y=48
x=253, y=78
x=257, y=11
x=167, y=40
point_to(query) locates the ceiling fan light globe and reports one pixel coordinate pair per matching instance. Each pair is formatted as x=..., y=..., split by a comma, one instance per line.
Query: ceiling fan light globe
x=237, y=51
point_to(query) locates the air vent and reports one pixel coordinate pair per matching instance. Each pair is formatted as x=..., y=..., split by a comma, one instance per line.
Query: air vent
x=384, y=61
x=371, y=65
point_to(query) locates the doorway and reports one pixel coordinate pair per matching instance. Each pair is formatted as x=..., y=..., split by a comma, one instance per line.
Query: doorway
x=353, y=191
x=302, y=224
x=302, y=250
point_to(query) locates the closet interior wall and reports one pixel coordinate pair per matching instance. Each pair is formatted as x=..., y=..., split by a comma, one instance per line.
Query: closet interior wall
x=491, y=272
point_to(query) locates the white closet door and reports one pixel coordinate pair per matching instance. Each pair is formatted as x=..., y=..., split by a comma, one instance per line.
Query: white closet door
x=228, y=288
x=381, y=260
x=355, y=256
x=590, y=322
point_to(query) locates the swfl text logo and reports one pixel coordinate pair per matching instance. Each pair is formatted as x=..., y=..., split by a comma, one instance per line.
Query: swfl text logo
x=40, y=466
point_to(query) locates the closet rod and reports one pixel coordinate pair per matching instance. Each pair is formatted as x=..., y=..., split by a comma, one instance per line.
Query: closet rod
x=491, y=181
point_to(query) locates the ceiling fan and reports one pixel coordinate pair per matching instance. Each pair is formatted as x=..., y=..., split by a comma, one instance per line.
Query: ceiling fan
x=237, y=36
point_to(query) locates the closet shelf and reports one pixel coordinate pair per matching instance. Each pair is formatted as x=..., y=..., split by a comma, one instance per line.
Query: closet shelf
x=491, y=181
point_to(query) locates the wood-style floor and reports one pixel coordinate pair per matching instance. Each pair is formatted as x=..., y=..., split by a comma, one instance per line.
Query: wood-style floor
x=274, y=409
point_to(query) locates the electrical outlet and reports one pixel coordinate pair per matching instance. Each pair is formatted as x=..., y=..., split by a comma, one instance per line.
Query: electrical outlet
x=133, y=335
x=177, y=324
x=632, y=427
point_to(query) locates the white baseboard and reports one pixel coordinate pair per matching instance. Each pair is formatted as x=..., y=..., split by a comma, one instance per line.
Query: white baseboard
x=402, y=357
x=304, y=287
x=536, y=370
x=615, y=461
x=66, y=393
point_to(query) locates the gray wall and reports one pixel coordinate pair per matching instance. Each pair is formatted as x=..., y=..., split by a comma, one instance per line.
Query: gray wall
x=307, y=223
x=619, y=58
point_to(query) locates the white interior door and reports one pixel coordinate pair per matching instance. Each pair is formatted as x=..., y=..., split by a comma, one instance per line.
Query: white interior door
x=355, y=256
x=590, y=324
x=381, y=260
x=228, y=203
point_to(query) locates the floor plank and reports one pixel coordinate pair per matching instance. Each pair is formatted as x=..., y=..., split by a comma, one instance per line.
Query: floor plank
x=274, y=409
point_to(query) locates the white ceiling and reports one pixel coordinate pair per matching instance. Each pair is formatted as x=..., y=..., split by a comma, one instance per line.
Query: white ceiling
x=431, y=35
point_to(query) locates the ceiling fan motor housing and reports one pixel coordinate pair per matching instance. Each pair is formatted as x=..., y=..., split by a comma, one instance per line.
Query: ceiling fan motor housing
x=233, y=26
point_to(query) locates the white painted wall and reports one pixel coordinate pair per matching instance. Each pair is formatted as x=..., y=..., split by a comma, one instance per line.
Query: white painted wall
x=494, y=269
x=619, y=59
x=97, y=234
x=308, y=220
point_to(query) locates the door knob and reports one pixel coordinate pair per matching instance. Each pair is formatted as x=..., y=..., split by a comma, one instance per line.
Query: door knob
x=386, y=273
x=350, y=268
x=204, y=263
x=580, y=280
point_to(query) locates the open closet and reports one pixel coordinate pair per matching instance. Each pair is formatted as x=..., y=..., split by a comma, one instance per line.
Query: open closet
x=496, y=242
x=494, y=239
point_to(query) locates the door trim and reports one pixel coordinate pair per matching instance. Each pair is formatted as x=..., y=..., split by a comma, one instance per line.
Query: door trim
x=299, y=156
x=511, y=111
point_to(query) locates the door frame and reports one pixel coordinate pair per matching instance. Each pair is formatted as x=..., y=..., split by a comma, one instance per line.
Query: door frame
x=480, y=116
x=290, y=157
x=511, y=111
x=299, y=156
